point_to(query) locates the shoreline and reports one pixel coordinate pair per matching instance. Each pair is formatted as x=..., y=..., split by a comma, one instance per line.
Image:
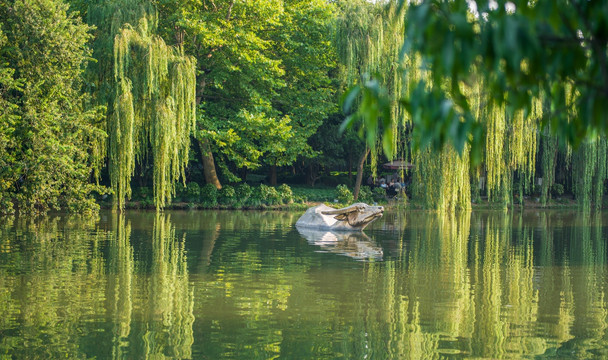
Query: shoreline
x=563, y=203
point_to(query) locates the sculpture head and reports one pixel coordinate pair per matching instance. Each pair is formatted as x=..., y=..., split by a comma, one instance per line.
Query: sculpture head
x=358, y=215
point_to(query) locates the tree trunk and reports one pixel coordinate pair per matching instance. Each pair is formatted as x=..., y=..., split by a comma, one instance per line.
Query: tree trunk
x=360, y=173
x=312, y=175
x=206, y=154
x=350, y=167
x=209, y=164
x=273, y=175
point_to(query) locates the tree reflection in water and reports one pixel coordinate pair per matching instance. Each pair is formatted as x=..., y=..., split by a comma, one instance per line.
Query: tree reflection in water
x=248, y=285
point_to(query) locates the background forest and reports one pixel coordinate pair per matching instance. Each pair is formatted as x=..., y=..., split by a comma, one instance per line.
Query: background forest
x=108, y=98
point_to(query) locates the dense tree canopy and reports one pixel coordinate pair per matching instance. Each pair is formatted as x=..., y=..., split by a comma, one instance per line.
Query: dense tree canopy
x=263, y=80
x=49, y=138
x=501, y=99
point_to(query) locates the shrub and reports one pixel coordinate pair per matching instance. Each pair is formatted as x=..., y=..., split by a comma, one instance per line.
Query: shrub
x=142, y=193
x=365, y=195
x=243, y=193
x=228, y=195
x=344, y=195
x=209, y=195
x=535, y=190
x=379, y=194
x=321, y=194
x=180, y=192
x=299, y=199
x=147, y=204
x=285, y=193
x=193, y=191
x=557, y=189
x=268, y=195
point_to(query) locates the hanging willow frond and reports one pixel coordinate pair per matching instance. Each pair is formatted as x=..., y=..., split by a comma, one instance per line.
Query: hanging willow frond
x=442, y=180
x=154, y=113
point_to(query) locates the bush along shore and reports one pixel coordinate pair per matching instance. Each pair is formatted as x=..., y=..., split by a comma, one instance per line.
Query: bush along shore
x=248, y=197
x=283, y=197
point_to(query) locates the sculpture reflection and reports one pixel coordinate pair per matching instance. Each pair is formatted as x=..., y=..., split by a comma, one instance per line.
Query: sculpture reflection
x=356, y=245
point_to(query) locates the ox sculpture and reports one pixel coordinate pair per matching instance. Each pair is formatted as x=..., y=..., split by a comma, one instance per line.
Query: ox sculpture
x=352, y=218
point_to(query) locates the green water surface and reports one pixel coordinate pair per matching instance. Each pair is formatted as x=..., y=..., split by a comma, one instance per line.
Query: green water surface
x=248, y=285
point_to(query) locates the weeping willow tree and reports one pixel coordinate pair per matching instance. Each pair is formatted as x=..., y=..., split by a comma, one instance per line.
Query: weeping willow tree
x=154, y=111
x=149, y=87
x=589, y=173
x=589, y=170
x=368, y=41
x=511, y=145
x=548, y=162
x=441, y=180
x=470, y=88
x=588, y=163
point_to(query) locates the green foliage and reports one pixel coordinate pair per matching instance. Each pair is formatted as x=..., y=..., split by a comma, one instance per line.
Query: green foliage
x=267, y=195
x=548, y=162
x=374, y=110
x=493, y=91
x=193, y=191
x=336, y=150
x=209, y=195
x=303, y=42
x=264, y=83
x=368, y=41
x=143, y=193
x=557, y=189
x=243, y=192
x=153, y=110
x=317, y=194
x=589, y=165
x=285, y=193
x=379, y=194
x=8, y=119
x=520, y=54
x=442, y=180
x=50, y=141
x=344, y=195
x=180, y=191
x=469, y=88
x=228, y=195
x=366, y=195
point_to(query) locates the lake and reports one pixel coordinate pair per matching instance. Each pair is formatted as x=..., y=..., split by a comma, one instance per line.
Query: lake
x=248, y=285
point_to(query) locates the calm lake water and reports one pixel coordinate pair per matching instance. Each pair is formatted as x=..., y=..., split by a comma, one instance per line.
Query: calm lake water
x=248, y=285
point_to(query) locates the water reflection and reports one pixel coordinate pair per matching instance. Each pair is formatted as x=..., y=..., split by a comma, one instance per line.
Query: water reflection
x=249, y=285
x=481, y=291
x=70, y=288
x=354, y=244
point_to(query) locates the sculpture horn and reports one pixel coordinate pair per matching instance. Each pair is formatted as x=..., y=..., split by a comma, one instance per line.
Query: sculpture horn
x=345, y=210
